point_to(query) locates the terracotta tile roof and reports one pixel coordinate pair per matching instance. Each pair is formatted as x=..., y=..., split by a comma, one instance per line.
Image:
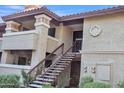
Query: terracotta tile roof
x=93, y=13
x=35, y=11
x=82, y=15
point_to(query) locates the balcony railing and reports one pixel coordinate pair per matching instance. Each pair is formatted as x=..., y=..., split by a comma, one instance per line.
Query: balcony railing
x=20, y=40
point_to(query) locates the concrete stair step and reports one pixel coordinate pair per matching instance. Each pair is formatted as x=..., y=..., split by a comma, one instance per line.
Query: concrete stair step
x=65, y=64
x=44, y=79
x=65, y=59
x=55, y=71
x=40, y=82
x=35, y=86
x=68, y=57
x=60, y=66
x=57, y=68
x=53, y=74
x=70, y=53
x=47, y=76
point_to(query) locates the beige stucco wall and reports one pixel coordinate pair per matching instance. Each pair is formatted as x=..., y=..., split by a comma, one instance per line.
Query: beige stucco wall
x=40, y=53
x=65, y=35
x=52, y=44
x=115, y=61
x=111, y=37
x=107, y=48
x=20, y=40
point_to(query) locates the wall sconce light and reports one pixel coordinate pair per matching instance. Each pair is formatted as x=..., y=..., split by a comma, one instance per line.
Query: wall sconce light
x=85, y=69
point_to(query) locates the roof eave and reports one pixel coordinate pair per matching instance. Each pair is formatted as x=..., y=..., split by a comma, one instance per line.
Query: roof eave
x=103, y=12
x=32, y=12
x=44, y=10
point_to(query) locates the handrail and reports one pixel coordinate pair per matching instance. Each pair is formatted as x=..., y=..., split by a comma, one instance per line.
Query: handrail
x=62, y=55
x=74, y=43
x=62, y=45
x=45, y=70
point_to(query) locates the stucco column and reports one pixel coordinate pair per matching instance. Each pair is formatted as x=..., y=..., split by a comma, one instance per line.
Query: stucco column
x=61, y=32
x=12, y=26
x=41, y=26
x=4, y=57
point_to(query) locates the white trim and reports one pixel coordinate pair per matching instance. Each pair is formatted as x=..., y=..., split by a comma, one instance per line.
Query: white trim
x=21, y=33
x=15, y=66
x=55, y=39
x=100, y=52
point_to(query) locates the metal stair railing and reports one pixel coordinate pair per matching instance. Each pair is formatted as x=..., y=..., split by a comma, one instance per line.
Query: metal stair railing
x=68, y=50
x=40, y=67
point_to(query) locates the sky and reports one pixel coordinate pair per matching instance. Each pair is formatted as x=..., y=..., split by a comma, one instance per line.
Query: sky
x=60, y=10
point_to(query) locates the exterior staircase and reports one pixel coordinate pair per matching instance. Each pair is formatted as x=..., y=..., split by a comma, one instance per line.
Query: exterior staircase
x=50, y=76
x=57, y=71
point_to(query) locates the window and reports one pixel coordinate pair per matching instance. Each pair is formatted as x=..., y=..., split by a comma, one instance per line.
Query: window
x=52, y=32
x=22, y=61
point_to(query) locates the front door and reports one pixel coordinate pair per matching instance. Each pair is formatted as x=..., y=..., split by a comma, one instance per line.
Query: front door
x=77, y=36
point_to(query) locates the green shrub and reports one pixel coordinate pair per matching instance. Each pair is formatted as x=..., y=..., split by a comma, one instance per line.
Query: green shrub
x=121, y=84
x=26, y=78
x=97, y=85
x=9, y=81
x=47, y=86
x=85, y=79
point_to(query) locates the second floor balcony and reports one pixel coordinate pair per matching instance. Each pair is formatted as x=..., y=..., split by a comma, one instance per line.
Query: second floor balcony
x=25, y=40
